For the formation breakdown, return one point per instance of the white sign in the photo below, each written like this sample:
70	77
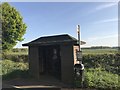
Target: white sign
79	55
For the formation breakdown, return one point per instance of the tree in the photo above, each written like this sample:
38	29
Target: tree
13	27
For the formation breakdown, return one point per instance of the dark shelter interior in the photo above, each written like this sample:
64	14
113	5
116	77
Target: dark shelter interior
49	58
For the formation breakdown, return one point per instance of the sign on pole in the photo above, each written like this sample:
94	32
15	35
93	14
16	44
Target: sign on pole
79	55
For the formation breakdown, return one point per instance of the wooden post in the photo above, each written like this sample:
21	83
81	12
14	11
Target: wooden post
79	52
78	32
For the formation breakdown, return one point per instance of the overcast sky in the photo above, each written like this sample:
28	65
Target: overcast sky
98	21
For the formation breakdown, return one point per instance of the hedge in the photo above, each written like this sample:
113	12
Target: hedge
110	62
16	57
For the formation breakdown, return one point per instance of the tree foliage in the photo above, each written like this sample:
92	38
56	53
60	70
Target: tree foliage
13	27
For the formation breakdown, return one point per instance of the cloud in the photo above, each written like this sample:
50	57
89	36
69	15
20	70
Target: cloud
107	20
102	37
100	7
105	6
110	40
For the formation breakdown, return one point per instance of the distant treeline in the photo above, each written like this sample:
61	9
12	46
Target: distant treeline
101	47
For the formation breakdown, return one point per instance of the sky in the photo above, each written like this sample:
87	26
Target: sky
98	21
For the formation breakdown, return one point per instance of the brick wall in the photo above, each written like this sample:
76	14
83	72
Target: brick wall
75	48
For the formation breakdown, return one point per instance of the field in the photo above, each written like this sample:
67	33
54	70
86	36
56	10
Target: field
99	51
101	67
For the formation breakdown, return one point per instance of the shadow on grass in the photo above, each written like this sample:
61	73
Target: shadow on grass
16	74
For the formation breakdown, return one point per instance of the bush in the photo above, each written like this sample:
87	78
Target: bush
12	69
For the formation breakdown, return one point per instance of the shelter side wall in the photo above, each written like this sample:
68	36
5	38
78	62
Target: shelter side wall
75	48
67	64
34	61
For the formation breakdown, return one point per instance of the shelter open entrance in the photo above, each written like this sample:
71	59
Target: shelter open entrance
49	61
